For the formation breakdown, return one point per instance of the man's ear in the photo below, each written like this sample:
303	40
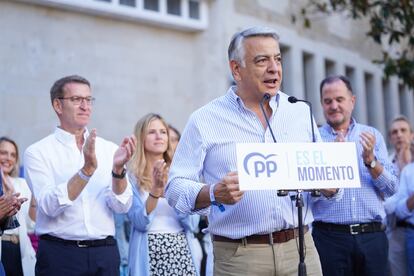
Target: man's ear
235	70
353	100
57	106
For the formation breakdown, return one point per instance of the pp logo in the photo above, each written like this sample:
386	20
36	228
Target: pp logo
261	164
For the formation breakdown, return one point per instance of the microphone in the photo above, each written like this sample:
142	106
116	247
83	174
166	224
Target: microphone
293	99
266	97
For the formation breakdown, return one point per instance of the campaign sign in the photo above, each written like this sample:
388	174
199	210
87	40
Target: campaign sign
293	166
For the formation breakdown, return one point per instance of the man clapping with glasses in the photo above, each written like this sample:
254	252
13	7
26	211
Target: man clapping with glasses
78	180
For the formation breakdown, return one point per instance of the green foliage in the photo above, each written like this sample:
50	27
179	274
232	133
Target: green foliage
390	22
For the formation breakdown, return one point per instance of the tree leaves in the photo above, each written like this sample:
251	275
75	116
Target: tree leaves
390	22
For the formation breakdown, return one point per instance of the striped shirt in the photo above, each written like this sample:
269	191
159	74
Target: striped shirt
365	204
207	152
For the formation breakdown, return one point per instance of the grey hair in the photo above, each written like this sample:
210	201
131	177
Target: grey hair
401	118
236	47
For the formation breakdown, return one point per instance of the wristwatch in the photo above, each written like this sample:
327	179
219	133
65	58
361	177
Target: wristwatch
119	176
372	164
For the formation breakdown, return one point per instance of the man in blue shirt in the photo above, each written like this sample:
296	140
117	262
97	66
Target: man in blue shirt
401	138
349	233
405	212
254	233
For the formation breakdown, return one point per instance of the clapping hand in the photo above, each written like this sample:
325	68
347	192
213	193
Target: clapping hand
125	151
159	178
91	163
10	204
368	145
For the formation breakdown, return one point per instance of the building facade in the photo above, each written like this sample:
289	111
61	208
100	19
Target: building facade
170	57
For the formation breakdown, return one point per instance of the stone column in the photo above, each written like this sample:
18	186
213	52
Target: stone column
407	105
375	99
360	110
391	100
339	68
315	71
293	79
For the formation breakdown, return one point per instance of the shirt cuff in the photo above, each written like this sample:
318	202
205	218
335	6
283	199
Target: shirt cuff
382	180
125	197
186	202
119	203
402	210
62	195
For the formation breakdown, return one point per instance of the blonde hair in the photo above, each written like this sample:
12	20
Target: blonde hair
138	164
15	171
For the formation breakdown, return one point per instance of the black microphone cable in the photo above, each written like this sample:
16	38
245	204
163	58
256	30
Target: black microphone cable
266	97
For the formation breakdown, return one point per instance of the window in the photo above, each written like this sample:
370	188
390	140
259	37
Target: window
130	3
388	100
194	9
350	74
151	5
372	109
174	7
308	60
187	15
330	67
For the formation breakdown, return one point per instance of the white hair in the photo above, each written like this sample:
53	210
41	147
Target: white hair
236	47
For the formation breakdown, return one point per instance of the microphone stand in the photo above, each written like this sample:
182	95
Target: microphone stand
299	205
299	195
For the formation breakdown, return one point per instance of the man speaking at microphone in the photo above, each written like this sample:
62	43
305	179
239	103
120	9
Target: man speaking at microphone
254	232
349	234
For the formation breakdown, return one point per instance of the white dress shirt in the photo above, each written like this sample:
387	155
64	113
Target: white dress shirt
49	165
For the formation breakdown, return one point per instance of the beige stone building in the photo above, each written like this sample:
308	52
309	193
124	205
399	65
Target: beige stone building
169	57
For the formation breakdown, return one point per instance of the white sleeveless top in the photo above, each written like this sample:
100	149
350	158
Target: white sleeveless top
165	219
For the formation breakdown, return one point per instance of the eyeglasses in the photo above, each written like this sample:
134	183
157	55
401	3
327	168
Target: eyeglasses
78	100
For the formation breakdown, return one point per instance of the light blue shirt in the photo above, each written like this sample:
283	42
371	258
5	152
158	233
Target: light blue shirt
139	260
406	189
365	204
207	152
121	222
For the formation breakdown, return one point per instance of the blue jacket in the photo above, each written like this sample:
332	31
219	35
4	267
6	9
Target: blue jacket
140	223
